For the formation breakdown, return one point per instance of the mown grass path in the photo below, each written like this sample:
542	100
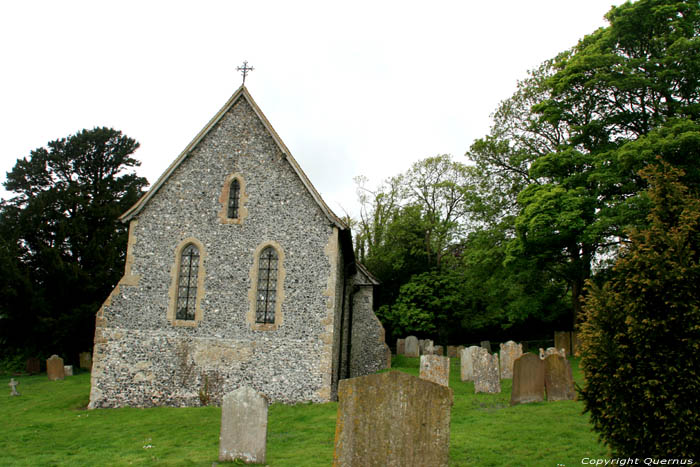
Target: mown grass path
48	425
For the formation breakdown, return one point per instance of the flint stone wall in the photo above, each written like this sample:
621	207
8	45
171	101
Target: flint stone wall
142	359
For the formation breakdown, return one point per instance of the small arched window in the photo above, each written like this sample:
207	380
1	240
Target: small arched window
187	283
234	199
267	286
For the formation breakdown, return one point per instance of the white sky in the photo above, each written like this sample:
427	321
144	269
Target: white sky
352	88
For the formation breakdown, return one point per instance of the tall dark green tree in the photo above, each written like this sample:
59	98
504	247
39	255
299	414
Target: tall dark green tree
65	238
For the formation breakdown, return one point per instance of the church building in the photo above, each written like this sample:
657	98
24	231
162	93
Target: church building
237	274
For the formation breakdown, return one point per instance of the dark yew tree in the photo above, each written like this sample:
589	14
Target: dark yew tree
64	243
641	334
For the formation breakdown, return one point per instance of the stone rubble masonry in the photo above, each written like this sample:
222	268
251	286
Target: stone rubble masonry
510	351
142	359
558	380
467	361
243	426
392	420
412	349
55	369
435	368
528	380
486	373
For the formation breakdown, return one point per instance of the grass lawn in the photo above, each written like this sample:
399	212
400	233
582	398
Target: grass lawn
48	425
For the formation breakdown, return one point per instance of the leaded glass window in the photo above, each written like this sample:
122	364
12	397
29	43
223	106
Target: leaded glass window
187	283
233	196
267	286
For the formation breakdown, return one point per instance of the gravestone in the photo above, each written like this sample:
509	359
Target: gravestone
467	362
486	345
437	350
392	419
542	355
551	351
510	351
562	340
68	370
412	347
486	374
400	346
13	386
454	350
528	380
243	426
85	360
428	347
33	365
558	381
54	368
435	368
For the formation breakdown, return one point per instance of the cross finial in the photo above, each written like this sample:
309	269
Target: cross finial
245	69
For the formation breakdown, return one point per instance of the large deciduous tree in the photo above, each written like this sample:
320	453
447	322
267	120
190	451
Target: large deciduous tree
64	239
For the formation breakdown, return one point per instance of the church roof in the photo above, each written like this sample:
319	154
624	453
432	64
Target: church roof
241	93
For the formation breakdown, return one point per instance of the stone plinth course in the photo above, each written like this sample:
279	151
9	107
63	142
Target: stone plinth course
558	380
392	420
243	426
412	349
528	380
467	362
55	369
510	351
435	368
85	360
400	346
486	373
33	365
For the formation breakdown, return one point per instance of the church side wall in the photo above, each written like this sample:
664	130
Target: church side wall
369	352
144	359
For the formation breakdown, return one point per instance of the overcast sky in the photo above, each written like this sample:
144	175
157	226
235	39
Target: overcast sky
352	88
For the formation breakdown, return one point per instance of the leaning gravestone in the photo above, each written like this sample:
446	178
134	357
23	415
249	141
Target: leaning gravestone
486	373
486	345
510	351
85	360
412	349
33	366
467	362
54	368
243	426
558	380
435	368
392	419
400	346
528	380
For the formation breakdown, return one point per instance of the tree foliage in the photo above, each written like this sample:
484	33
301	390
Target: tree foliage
64	246
641	336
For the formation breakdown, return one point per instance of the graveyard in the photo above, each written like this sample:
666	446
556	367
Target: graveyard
49	425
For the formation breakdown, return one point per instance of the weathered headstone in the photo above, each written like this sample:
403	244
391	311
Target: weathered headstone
528	380
428	347
33	365
68	370
13	386
486	373
400	346
453	350
558	380
437	350
467	362
412	349
54	368
562	340
243	426
553	350
435	368
510	351
392	419
85	360
486	345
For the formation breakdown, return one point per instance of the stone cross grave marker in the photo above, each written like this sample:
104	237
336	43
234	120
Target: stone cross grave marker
400	346
558	380
487	377
510	351
243	426
467	362
13	386
435	368
528	380
85	360
54	368
486	345
412	349
392	419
